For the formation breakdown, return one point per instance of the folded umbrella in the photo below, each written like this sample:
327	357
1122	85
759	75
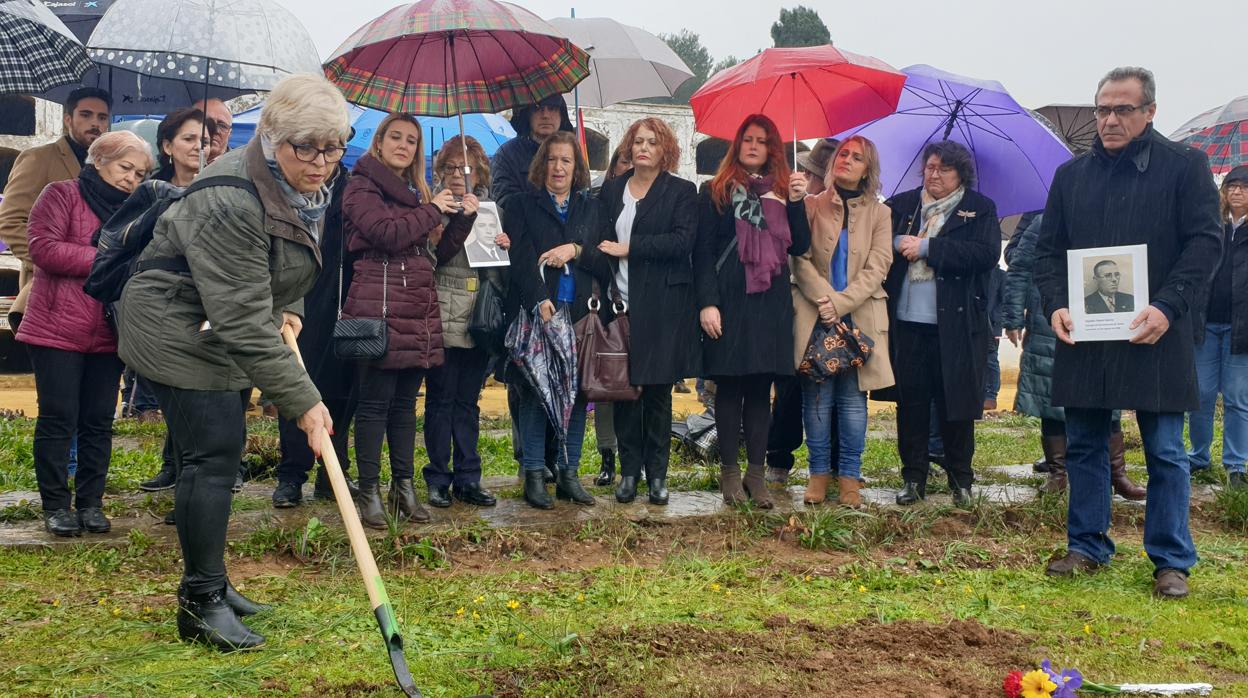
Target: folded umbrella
545	353
37	51
1015	155
816	91
1221	133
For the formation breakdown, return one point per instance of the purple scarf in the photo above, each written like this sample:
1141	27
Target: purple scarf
763	236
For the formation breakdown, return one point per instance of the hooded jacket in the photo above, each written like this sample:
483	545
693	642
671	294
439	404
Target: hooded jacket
510	165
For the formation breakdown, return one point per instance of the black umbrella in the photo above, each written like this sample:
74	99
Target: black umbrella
1075	123
37	51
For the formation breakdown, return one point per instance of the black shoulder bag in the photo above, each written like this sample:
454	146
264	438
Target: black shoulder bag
361	338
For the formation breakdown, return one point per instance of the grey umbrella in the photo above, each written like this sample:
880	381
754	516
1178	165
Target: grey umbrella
37	50
625	62
245	45
1075	123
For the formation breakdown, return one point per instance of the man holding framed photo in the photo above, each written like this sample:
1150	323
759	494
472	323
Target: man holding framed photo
1134	187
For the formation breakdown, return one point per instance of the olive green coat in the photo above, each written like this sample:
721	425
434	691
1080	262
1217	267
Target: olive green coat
219	328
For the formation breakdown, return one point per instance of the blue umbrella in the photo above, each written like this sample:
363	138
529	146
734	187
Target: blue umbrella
490	130
1015	155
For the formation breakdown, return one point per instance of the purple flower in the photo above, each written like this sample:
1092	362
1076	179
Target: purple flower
1068	680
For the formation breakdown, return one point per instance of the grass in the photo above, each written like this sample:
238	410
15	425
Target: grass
591	609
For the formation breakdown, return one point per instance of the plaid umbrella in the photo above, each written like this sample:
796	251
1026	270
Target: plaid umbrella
448	57
37	50
1221	132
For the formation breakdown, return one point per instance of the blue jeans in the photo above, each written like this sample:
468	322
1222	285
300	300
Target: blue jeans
839	398
532	429
1220	371
1167	539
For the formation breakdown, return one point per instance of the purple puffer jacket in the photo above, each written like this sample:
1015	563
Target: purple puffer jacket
387	228
59	315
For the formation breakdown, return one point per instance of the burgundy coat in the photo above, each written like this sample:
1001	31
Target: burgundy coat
386	222
59	314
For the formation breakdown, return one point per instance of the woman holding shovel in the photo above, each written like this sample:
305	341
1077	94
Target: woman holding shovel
204	337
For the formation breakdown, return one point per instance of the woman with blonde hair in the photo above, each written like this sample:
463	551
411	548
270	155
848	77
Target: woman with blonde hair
841	278
389	214
205	334
72	345
452	415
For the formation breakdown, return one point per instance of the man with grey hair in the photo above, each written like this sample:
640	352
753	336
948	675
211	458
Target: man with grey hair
220	115
1133	187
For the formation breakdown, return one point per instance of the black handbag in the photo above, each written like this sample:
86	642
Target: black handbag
487	326
834	350
361	338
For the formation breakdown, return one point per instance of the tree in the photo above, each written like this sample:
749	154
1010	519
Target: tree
725	63
688	46
799	26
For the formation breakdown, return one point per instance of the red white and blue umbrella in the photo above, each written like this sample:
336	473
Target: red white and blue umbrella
1221	132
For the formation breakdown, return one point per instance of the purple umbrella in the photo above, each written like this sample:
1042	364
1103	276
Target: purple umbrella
1015	156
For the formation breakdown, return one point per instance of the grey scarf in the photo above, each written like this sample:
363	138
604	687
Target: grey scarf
310	207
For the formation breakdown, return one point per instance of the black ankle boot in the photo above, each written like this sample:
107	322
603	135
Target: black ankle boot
657	490
369	502
607	475
569	487
165	479
209	619
626	491
535	489
242	605
403	501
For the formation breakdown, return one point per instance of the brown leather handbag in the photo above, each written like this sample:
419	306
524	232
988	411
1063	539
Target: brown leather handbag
602	352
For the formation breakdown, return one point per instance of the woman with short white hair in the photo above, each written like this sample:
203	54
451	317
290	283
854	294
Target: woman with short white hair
227	268
72	345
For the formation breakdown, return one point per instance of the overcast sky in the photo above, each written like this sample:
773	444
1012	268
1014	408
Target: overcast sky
1043	52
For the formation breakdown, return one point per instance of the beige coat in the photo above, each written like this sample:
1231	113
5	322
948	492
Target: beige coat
870	255
33	170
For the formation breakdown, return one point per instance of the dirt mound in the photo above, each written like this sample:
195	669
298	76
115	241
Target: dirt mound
866	659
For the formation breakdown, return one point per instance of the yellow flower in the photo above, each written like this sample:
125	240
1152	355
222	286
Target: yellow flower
940	582
519	636
580	598
1036	684
728	593
513	604
459	611
479	599
476	615
861	589
968	589
714	587
101	601
1087	629
1143	553
1022	606
808	577
56	602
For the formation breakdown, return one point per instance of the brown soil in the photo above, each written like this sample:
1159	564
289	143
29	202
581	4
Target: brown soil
866	659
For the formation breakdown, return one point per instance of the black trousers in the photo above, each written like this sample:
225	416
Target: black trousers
453	418
785	433
386	411
643	432
297	457
920	384
77	393
209	431
743	402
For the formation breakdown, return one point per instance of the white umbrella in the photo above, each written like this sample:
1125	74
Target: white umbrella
625	62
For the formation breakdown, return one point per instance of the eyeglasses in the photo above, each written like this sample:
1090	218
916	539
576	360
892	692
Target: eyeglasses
938	169
1239	187
221	126
1110	275
451	168
308	153
1119	110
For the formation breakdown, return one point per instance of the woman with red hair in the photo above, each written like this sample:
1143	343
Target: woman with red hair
751	218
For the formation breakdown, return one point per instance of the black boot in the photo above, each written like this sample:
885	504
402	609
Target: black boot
552	473
93	520
403	501
238	479
626	491
62	522
242	605
657	490
569	487
535	489
911	493
323	490
287	495
607	475
209	619
440	496
369	502
473	494
164	480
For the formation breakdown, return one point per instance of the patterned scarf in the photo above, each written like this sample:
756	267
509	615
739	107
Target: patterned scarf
763	236
934	214
310	207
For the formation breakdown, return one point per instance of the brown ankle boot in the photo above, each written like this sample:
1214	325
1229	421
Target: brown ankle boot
1118	471
1055	460
756	485
849	496
730	484
816	489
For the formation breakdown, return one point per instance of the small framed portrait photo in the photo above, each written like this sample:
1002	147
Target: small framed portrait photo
1108	287
480	246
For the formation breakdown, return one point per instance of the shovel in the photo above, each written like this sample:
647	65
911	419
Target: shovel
377	596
